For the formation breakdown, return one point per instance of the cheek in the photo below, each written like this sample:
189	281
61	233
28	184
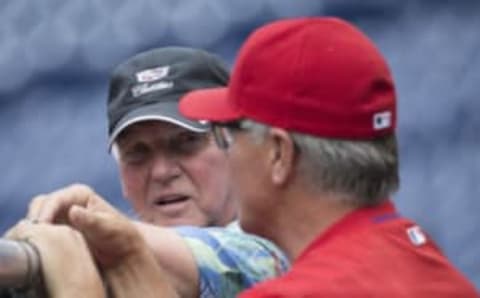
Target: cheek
209	173
248	187
244	174
249	179
133	184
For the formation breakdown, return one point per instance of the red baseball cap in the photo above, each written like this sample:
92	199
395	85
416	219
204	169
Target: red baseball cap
320	76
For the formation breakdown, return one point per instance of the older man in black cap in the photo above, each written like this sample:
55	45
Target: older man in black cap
173	174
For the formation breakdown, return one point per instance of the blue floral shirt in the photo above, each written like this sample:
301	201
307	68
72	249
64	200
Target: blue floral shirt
230	260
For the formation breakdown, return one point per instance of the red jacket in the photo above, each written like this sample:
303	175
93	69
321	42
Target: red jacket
371	252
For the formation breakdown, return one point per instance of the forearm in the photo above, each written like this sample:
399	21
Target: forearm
174	257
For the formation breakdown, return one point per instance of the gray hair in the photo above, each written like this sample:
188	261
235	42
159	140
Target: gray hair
359	172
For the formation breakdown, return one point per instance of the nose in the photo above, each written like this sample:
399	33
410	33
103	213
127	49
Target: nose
165	169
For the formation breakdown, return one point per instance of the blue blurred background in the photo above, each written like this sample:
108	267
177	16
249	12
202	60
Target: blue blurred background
56	56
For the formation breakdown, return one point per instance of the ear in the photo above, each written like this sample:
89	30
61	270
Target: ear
282	156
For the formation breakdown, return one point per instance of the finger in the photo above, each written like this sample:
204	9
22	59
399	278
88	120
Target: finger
84	196
55	206
22	230
12	232
35	206
93	224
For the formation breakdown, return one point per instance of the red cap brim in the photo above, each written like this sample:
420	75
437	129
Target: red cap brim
209	104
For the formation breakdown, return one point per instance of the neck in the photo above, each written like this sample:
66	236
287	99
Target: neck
304	218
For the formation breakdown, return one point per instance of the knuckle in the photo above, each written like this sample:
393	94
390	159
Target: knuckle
81	188
37	200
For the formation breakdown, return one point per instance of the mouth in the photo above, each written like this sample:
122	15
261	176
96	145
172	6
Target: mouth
171	199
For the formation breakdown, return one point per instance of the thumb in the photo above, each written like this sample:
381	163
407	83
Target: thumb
110	236
89	222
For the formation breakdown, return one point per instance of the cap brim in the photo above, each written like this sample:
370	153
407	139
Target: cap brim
209	104
162	111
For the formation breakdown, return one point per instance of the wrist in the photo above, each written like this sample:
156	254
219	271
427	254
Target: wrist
138	275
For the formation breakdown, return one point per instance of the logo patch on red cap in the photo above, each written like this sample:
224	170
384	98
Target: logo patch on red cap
382	120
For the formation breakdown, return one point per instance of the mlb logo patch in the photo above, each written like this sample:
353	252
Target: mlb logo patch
416	236
152	74
382	120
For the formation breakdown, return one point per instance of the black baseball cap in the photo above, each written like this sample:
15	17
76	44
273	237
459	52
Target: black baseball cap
149	86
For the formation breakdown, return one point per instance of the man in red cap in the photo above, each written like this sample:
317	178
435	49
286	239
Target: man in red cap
308	121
